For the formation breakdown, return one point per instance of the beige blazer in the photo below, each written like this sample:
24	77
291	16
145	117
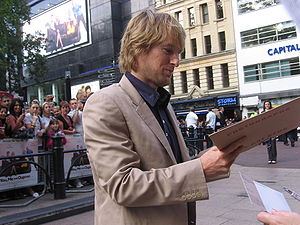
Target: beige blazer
137	180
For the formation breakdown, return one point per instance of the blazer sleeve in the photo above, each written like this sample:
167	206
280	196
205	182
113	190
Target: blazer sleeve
118	169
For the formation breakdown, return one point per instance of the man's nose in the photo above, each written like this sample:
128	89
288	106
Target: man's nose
175	60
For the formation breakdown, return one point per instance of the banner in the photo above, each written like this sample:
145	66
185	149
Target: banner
20	175
81	166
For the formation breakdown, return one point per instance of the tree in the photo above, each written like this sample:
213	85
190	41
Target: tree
18	49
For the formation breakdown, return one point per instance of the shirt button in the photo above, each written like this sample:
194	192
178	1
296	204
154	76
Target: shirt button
167	134
164	122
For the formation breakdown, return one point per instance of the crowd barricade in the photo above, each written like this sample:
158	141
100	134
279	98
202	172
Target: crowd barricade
28	164
196	139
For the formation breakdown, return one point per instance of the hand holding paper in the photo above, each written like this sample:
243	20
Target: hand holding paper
257	129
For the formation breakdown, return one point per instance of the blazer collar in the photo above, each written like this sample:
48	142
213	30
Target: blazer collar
146	114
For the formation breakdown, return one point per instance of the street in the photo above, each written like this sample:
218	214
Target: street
228	203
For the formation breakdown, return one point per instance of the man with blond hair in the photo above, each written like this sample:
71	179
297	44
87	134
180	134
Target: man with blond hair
141	168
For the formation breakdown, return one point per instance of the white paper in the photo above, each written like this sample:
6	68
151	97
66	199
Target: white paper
264	196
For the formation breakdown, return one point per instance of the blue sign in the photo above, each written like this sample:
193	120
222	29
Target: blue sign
283	49
227	101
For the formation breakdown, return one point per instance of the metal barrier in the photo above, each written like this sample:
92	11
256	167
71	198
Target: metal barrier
195	139
49	171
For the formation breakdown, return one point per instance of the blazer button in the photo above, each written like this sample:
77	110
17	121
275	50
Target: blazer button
189	196
199	195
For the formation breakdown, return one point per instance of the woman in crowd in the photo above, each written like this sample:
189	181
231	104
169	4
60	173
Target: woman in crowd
271	143
66	123
46	114
33	120
16	117
237	116
4	127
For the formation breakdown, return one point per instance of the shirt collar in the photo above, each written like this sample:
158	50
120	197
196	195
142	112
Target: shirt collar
151	96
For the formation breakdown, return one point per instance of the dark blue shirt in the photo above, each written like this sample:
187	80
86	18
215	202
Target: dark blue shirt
158	100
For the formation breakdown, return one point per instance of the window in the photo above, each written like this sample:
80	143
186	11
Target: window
179	17
219	9
171	86
207	43
184	82
204	12
273	69
210	78
222	41
267	34
196	77
245	6
194	47
191	16
225	75
182	54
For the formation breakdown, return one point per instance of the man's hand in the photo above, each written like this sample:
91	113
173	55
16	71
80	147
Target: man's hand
279	218
216	163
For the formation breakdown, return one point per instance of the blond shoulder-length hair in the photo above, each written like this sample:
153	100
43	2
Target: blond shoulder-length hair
143	31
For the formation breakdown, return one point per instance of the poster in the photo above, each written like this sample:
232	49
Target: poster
81	166
21	175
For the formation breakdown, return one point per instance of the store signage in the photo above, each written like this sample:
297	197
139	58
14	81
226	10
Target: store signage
283	49
227	101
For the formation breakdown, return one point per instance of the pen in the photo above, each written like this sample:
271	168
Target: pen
292	193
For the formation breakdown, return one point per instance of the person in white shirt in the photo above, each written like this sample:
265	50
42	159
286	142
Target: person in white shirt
191	118
76	116
211	119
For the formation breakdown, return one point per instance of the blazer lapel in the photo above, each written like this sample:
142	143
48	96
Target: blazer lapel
181	143
146	115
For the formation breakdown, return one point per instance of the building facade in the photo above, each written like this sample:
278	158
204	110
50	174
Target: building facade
207	75
267	45
84	39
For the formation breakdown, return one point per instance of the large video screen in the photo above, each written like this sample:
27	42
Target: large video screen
65	26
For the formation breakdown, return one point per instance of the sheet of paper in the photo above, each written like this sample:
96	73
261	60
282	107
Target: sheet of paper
264	196
257	129
293	7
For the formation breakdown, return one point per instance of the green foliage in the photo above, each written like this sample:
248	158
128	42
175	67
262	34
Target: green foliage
18	49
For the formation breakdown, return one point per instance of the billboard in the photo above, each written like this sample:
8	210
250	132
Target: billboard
64	26
93	86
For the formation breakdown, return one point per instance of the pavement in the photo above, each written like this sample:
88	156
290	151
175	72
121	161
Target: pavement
228	203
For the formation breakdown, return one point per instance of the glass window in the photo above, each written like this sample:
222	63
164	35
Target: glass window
270	70
245	6
191	16
271	33
210	78
273	69
184	81
179	17
219	9
182	54
225	75
204	11
251	73
222	41
196	77
194	47
207	43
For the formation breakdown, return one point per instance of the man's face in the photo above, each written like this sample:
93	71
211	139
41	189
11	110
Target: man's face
5	101
73	104
155	68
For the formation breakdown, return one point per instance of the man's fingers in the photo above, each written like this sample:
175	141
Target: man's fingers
263	217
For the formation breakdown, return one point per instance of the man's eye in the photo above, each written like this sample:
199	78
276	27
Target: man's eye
168	51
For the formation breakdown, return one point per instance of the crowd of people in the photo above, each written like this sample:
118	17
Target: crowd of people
19	120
